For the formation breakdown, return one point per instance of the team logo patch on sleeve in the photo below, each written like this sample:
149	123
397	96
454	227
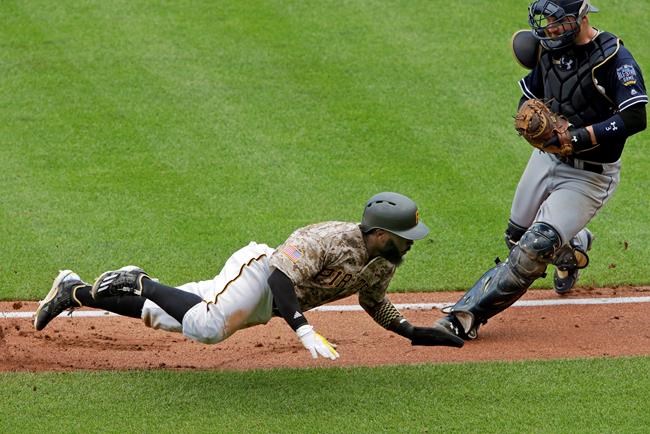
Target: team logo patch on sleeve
292	253
626	75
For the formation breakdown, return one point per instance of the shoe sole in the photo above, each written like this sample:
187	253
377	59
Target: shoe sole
53	291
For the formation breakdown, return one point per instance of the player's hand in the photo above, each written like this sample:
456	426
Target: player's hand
315	343
436	335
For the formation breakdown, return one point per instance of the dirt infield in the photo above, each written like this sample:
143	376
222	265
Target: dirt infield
536	332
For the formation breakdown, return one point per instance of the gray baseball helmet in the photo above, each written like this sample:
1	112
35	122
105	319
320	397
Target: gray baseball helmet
394	213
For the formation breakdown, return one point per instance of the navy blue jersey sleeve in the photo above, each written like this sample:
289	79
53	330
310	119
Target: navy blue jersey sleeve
624	81
532	85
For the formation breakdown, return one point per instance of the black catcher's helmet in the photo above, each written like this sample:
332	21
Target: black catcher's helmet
546	15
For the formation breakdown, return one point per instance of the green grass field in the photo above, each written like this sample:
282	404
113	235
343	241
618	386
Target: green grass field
169	134
540	397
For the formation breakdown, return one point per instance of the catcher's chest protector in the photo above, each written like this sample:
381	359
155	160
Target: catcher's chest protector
569	84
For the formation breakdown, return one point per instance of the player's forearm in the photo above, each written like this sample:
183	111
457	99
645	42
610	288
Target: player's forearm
616	129
402	327
389	317
620	126
609	136
522	100
284	296
386	315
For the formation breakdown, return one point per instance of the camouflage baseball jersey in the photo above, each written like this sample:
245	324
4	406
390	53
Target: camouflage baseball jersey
329	261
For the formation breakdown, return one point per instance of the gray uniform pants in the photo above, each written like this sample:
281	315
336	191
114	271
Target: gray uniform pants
563	196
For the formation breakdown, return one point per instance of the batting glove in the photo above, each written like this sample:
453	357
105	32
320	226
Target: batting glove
315	343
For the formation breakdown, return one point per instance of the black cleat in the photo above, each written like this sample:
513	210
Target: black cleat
125	281
565	280
59	299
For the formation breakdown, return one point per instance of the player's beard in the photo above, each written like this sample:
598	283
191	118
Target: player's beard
391	253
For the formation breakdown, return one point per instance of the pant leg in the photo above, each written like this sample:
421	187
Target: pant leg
239	297
155	317
577	196
533	188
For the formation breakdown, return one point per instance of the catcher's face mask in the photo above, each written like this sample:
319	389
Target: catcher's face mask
556	23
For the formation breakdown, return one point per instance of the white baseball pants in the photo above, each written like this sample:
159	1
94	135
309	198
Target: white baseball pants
237	298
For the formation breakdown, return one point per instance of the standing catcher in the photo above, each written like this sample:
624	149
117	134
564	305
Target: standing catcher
317	264
582	99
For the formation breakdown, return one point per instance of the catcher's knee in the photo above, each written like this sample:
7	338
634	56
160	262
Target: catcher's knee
535	250
513	234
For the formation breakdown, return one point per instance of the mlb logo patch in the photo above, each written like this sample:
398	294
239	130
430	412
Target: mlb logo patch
626	74
292	253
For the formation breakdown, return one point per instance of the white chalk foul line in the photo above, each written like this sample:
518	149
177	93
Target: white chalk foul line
403	306
521	303
75	314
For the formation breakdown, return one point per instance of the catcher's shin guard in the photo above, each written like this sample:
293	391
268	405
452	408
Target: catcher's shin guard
496	290
506	282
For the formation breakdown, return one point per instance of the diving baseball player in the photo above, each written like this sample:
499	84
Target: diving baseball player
317	264
590	78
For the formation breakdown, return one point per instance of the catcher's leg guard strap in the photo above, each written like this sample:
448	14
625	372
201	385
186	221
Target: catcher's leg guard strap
513	234
574	255
568	258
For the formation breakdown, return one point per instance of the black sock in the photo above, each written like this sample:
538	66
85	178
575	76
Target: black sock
126	306
174	301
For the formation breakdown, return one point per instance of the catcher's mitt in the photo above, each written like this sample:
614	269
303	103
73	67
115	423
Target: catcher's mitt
542	128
